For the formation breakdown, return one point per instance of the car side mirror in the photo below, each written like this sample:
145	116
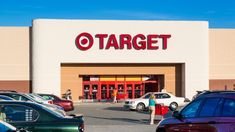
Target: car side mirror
176	114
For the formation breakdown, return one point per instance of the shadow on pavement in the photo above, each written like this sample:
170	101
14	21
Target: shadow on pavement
136	121
169	114
116	108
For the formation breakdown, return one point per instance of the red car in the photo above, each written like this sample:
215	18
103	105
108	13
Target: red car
66	104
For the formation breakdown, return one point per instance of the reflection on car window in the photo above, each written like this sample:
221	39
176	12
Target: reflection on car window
18	113
46	97
191	109
209	107
228	108
49	97
162	96
19	97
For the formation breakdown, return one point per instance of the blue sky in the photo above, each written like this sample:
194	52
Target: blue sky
219	13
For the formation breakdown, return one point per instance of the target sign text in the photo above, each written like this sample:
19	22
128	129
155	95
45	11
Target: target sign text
85	41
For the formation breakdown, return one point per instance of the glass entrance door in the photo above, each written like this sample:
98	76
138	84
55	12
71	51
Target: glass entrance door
90	91
111	87
86	91
94	91
129	91
103	91
138	89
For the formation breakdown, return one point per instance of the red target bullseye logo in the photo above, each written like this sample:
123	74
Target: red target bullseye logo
84	41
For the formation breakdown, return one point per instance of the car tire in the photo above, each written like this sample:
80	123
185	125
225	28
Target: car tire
140	107
173	106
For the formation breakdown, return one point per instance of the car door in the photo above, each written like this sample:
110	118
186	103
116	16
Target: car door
163	98
145	99
207	116
226	123
198	116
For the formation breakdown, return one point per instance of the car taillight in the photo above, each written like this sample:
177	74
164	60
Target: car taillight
50	102
81	128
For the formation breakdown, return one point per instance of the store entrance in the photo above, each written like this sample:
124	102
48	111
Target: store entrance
103	90
107	90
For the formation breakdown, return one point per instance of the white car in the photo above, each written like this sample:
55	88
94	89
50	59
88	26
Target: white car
164	98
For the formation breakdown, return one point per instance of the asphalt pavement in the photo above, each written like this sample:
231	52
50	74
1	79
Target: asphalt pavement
111	117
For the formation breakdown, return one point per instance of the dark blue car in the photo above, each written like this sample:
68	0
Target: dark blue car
209	112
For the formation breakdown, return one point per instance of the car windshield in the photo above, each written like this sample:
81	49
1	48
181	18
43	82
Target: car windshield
33	99
36	97
145	96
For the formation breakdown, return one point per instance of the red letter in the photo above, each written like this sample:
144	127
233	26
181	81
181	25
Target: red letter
125	39
142	43
164	40
112	41
151	41
101	39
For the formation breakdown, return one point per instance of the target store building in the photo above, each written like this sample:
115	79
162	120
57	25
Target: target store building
94	57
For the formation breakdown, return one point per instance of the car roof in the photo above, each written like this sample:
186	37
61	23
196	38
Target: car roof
223	94
16	102
158	92
45	94
11	93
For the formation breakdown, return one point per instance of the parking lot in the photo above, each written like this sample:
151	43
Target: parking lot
110	117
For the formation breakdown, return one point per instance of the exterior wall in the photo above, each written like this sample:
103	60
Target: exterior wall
14	56
71	74
54	43
222	64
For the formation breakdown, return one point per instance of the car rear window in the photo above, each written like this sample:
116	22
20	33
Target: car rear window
191	110
209	107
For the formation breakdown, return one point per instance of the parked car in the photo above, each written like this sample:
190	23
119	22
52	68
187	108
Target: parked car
3	97
211	112
66	104
164	98
35	117
5	127
25	97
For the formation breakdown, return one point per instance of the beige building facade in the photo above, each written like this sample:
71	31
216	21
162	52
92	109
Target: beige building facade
222	64
47	59
15	59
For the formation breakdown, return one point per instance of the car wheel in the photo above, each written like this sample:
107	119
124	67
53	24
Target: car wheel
140	107
173	106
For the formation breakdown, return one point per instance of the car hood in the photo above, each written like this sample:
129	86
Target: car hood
137	99
170	120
